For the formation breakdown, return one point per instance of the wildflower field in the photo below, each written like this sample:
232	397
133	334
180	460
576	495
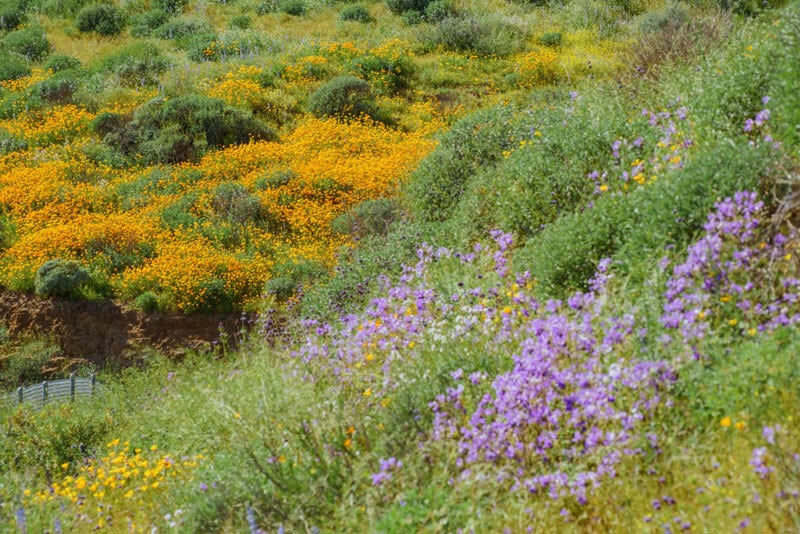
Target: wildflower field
521	266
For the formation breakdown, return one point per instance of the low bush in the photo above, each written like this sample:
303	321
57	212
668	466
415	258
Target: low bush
411	18
30	43
61	278
182	29
139	64
474	142
343	97
58	89
12	66
241	22
486	36
371	217
404	6
355	13
553	39
12	15
143	24
173	7
438	10
387	74
61	62
103	19
288	277
296	8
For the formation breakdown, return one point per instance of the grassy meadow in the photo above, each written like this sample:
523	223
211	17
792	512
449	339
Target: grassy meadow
537	263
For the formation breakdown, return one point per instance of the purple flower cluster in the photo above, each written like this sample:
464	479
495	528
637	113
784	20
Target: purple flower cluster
562	418
728	278
384	474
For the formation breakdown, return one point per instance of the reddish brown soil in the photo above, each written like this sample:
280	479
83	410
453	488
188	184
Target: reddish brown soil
103	331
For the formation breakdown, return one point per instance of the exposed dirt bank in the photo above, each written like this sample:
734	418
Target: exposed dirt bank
102	331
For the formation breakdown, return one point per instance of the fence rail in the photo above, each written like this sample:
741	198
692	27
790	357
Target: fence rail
49	390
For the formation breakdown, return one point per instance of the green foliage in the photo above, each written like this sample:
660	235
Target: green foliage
749	7
61	62
231	201
173	7
179	129
182	29
343	97
552	39
295	8
103	19
355	13
288	277
388	74
486	36
27	362
673	16
147	302
12	66
275	180
371	217
143	24
139	64
58	89
61	278
438	10
70	433
241	22
12	15
29	42
411	18
404	6
473	143
8	143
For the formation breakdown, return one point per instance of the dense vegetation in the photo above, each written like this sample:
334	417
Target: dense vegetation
537	264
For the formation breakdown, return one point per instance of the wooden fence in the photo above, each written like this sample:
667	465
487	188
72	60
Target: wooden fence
68	388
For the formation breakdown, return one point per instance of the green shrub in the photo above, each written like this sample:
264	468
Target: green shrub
8	143
12	66
231	201
404	6
474	142
275	180
181	29
60	62
565	255
295	8
552	39
411	18
143	24
438	10
103	19
12	15
355	13
485	36
749	7
241	22
30	43
371	217
139	64
267	6
147	302
343	97
64	9
388	74
672	17
179	129
58	89
288	277
173	7
27	363
61	278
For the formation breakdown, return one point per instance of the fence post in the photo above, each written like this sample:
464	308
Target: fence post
20	391
72	386
44	392
94	383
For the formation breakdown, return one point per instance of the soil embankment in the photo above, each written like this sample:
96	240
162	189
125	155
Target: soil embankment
101	331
